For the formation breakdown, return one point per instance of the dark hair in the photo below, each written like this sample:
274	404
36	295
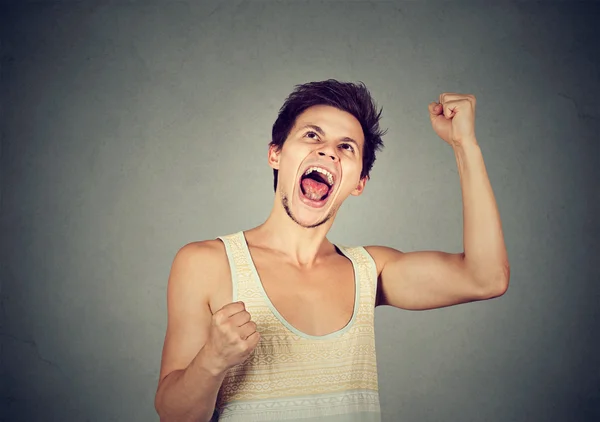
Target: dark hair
346	96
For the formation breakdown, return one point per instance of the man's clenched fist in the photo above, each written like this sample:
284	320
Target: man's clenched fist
232	337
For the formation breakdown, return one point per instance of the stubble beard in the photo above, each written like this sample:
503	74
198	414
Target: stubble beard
288	211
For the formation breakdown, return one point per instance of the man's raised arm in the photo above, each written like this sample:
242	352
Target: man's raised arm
433	279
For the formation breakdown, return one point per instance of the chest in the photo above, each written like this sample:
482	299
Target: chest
316	302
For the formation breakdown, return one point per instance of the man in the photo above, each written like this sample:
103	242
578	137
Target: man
276	323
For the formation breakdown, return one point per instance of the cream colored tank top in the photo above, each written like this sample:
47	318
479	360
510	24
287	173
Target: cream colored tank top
293	376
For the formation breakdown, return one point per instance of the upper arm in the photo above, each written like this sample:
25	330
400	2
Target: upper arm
194	277
425	280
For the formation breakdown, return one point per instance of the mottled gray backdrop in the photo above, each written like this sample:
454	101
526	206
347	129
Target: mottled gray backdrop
130	128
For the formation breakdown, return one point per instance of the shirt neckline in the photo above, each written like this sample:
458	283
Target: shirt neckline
280	317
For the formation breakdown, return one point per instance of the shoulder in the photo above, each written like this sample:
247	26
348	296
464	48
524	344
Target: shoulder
199	268
382	255
205	255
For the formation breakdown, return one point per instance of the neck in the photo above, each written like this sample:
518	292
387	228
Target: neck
301	246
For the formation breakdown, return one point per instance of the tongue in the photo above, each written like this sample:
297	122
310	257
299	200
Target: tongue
314	190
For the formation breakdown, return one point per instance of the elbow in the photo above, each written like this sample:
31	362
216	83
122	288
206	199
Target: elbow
500	287
500	283
495	284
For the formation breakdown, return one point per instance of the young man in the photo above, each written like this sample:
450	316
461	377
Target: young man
276	323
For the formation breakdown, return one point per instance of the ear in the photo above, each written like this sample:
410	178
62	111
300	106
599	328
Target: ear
360	187
273	156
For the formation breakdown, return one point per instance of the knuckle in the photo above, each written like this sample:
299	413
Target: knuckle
232	338
218	322
221	313
225	328
234	307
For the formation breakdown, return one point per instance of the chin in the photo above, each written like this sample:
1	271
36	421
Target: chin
306	218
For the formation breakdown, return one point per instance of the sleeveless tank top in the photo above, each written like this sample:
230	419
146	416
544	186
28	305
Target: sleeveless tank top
293	376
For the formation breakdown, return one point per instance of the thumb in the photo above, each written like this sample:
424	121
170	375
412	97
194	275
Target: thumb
435	109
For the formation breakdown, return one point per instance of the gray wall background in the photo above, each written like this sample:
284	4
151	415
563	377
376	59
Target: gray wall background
132	128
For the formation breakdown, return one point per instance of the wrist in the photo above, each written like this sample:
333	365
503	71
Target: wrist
210	363
465	144
466	151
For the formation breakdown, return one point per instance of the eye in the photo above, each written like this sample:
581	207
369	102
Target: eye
314	135
347	147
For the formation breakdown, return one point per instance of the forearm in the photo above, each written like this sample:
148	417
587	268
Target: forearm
485	252
189	395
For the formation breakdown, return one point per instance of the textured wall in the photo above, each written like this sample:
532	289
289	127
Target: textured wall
132	128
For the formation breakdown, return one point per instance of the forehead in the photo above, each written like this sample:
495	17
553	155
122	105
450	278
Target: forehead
335	123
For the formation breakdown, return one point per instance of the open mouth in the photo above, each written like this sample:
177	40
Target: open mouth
316	184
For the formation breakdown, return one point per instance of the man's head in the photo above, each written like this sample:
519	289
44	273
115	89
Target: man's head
323	147
346	96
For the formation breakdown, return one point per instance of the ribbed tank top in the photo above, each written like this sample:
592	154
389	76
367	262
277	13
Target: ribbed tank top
293	376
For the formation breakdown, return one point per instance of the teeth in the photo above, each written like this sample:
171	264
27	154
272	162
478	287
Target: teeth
322	171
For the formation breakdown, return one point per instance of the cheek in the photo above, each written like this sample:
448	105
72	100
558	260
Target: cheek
293	156
352	171
351	178
288	167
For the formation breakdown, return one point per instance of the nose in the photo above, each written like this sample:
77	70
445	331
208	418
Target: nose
333	157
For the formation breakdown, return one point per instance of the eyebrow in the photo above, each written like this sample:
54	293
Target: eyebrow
322	133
